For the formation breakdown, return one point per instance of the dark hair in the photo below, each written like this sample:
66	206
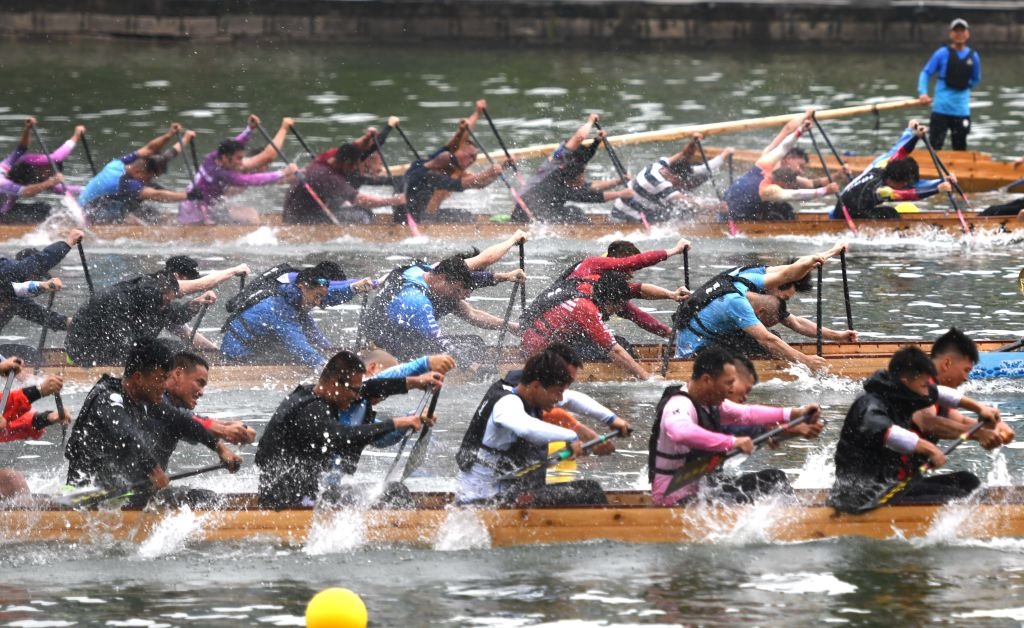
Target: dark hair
473	252
189	360
743	362
330	270
910	362
229	147
903	170
802	284
154	164
165	280
612	287
711	361
567	353
311	277
454	269
341	367
6	289
547	367
681	168
784	177
956	342
24	173
622	248
348	152
796	151
148	355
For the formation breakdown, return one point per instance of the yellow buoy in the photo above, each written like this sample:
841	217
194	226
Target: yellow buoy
907	208
336	608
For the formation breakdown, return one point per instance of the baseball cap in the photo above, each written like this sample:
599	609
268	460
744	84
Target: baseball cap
958	23
184	265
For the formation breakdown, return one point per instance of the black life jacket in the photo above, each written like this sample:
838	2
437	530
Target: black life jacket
958	71
521	453
376	316
686	315
563	289
708	419
262	286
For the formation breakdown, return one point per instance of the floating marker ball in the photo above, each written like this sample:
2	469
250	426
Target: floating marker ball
336	608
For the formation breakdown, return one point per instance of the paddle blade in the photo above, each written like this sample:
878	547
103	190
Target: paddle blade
74	210
88	497
414	229
418	453
697	465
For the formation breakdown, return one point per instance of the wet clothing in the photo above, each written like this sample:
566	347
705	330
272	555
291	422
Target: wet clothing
420	185
958	73
505	434
24	307
876	436
591	269
334	190
683	427
117	441
278	328
744	200
577	322
35	266
300	442
111	195
106	327
555	183
361	412
10	190
403	319
22	422
213	180
718	312
658	198
865	195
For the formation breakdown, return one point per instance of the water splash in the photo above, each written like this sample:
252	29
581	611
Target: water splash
802	582
462	530
172	534
336	531
262	236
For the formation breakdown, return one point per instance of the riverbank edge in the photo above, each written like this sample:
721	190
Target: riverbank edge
623	24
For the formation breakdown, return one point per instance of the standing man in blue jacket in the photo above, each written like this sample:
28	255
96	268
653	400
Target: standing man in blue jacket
959	70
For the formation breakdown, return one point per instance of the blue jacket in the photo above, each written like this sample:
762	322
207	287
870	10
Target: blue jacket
276	328
949	101
357	413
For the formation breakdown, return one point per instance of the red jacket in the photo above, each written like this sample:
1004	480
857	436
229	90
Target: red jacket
22	422
593	267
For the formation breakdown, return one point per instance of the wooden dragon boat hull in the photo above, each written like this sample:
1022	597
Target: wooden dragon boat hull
629	517
854	361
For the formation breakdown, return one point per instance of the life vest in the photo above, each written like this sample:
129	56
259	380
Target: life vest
259	288
686	315
522	451
563	289
708	419
958	71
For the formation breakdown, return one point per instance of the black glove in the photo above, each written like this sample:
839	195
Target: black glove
195	194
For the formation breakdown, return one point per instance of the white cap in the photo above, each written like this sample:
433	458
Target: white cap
959	23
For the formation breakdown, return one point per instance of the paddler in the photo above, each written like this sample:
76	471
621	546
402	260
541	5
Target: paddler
24	175
404	318
124	434
21	422
507	432
663	191
691	418
117	192
724	311
878	445
305	436
746	379
15	301
765	191
561	179
892	177
221	169
185	385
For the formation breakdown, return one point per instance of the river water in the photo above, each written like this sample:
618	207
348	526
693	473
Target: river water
911	287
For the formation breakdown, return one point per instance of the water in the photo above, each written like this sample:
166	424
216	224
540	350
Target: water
906	287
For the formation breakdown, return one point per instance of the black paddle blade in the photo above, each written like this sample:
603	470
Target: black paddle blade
697	465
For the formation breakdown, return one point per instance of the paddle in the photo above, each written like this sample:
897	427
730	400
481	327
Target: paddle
828	174
522	267
419	450
45	329
7	391
622	174
846	291
70	202
85	269
302	142
562	454
670	346
393	474
362	321
819	335
301	178
60	414
184	158
890	492
941	170
410	222
405	139
89	497
504	325
718	193
88	154
501	175
1007	188
497	136
195	328
700	463
195	157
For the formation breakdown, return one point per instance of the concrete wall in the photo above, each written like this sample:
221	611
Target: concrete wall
622	23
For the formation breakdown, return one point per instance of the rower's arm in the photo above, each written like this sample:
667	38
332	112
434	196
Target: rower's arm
369	201
266	156
495	252
621	357
481	319
776	276
778	347
157	144
162	196
210	281
807	327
